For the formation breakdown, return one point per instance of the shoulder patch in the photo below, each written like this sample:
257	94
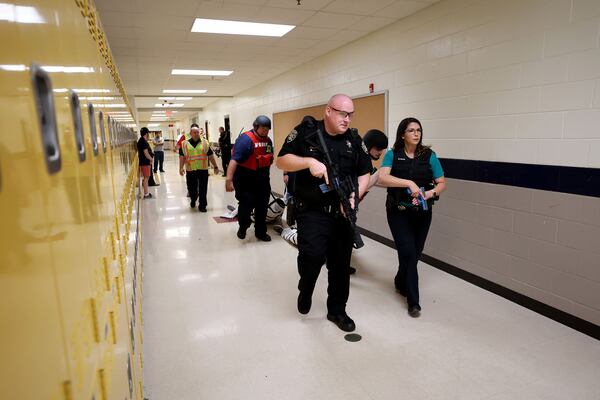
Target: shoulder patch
364	148
290	138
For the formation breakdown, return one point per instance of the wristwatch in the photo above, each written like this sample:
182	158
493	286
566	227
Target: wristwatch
434	193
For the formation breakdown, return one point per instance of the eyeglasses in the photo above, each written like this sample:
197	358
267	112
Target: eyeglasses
343	114
419	130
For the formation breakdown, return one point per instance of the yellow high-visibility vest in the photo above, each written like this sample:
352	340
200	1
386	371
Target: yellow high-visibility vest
195	157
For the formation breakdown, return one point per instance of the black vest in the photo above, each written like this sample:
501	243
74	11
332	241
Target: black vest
415	169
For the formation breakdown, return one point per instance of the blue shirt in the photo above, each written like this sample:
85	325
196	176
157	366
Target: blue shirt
242	148
434	163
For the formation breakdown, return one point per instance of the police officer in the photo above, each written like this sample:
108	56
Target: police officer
248	173
324	233
414	177
194	155
376	143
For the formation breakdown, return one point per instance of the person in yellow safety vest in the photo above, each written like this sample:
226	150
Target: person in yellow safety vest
194	156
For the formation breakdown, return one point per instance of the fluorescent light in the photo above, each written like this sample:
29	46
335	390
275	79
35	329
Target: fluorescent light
68	70
184	91
13	67
204	72
110	105
169	105
239	27
175	98
98	98
153	125
20	14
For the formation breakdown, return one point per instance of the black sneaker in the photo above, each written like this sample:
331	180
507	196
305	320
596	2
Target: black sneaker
241	233
352	270
304	303
414	311
264	237
201	209
148	196
192	204
343	321
162	170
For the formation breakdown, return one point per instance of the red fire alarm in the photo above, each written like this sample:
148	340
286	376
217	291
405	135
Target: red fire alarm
371	88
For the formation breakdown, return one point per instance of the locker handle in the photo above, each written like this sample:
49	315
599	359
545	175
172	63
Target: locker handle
77	124
44	101
93	131
102	131
111	131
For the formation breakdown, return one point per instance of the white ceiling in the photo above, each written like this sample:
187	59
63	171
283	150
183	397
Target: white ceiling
148	38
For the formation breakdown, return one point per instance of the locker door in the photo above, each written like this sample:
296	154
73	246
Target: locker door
33	361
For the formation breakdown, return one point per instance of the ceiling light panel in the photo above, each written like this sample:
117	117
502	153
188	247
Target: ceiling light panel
239	28
203	72
184	91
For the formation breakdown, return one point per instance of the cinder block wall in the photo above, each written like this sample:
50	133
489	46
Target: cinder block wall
512	81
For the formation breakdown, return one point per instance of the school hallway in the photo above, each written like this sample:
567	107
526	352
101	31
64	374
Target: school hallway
220	322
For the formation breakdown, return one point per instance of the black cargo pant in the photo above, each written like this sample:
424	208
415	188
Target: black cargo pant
252	193
409	229
197	185
325	237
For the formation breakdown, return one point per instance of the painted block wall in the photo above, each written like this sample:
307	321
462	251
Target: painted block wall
511	81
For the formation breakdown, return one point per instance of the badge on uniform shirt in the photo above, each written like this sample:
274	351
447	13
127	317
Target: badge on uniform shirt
291	136
348	144
365	148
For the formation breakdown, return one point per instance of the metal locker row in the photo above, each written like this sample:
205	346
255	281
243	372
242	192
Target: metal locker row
68	199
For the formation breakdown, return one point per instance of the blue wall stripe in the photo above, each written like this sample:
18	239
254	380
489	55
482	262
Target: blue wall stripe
574	180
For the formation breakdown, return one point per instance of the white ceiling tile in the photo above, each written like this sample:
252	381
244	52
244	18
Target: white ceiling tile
116	18
180	8
348	35
332	20
305	4
359	7
277	15
296	43
227	11
371	24
303	32
400	9
115	5
151	21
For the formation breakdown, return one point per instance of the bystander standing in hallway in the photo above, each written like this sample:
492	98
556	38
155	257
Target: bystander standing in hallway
194	157
159	154
225	147
414	178
145	160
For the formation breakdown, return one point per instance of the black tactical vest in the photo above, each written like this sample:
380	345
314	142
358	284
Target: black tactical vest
415	169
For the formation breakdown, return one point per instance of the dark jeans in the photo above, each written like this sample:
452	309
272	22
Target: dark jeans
159	157
197	185
409	229
225	158
323	237
252	194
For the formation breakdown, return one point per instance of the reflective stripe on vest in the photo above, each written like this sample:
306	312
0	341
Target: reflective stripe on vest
262	152
195	157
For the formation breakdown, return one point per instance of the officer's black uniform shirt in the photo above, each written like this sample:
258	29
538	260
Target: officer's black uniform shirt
346	150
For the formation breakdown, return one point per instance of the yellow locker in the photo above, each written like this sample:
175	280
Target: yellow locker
33	362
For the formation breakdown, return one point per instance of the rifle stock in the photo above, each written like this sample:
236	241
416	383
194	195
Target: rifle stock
344	189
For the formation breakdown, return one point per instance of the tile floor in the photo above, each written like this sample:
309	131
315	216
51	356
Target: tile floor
220	322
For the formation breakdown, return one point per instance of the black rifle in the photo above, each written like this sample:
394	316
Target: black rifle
344	189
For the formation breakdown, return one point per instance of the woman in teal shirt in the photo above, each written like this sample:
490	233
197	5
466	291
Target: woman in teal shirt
414	178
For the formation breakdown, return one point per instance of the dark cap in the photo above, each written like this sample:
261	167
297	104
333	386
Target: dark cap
144	131
375	138
262	120
194	126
